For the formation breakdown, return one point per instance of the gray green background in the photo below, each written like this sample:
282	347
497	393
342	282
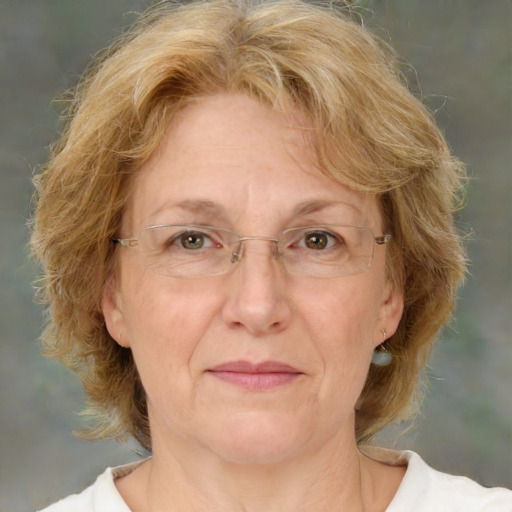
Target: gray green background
461	51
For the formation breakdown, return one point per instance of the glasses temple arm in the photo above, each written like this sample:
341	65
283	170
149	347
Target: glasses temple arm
383	239
125	242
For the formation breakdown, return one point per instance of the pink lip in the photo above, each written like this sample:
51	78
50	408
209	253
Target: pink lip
255	377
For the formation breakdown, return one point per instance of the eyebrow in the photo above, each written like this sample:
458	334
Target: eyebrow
313	206
196	206
215	210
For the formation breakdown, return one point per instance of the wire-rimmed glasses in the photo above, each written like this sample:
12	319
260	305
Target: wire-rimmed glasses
192	251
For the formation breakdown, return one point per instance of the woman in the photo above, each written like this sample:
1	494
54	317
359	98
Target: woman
248	246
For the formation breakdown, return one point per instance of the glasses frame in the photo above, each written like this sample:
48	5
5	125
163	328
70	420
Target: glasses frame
236	255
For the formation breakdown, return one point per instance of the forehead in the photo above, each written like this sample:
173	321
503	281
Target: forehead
228	158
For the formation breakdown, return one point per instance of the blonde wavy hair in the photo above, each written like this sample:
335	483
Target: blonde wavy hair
371	133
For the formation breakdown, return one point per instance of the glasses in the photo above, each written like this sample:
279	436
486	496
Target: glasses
191	251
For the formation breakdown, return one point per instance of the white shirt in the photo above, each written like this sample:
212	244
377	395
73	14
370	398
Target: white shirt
423	489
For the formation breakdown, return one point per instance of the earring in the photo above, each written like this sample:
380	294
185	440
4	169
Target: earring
380	356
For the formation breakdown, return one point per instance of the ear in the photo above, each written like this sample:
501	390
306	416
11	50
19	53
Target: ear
390	312
111	306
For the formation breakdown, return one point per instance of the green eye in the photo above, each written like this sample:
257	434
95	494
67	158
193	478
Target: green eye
316	241
192	240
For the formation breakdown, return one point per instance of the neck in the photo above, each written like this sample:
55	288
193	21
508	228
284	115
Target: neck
331	478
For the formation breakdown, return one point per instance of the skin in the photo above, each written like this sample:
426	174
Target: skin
229	161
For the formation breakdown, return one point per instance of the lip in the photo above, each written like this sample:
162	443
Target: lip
248	367
256	376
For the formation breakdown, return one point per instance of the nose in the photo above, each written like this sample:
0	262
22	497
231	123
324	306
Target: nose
257	300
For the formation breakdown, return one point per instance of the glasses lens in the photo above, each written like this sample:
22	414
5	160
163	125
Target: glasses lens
186	250
327	251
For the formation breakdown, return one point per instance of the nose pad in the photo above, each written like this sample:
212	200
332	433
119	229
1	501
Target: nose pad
237	254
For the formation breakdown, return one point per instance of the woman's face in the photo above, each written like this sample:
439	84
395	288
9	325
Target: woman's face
229	162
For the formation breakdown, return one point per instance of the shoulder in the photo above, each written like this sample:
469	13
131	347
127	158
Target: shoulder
101	496
424	489
450	493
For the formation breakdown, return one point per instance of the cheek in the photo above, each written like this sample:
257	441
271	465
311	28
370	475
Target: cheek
166	319
341	322
345	314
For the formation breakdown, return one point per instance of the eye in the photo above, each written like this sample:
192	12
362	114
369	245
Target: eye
193	240
319	240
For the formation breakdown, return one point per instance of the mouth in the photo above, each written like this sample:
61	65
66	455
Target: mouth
255	377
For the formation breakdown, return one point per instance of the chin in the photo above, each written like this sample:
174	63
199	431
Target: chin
253	439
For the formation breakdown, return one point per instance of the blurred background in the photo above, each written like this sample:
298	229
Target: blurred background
461	53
